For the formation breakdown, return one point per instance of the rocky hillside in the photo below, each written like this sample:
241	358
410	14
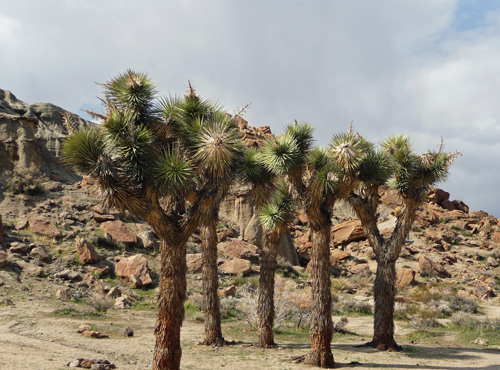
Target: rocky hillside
64	243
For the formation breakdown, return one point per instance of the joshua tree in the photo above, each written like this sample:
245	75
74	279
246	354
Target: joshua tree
411	176
162	162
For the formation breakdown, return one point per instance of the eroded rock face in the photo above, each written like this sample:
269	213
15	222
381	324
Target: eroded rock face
3	258
405	278
134	271
193	262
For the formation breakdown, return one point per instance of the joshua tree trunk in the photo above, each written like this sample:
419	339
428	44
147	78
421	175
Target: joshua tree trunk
211	305
266	290
167	353
384	291
322	325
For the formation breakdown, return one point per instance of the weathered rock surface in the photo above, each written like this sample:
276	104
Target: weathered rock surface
235	248
42	226
147	239
194	262
236	266
41	253
405	278
3	258
64	293
119	232
338	255
482	290
122	302
86	251
134	271
347	232
431	268
99	268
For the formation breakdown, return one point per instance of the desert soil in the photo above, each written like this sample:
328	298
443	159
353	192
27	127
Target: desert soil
32	337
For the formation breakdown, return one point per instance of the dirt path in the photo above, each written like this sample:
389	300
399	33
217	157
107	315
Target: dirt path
31	337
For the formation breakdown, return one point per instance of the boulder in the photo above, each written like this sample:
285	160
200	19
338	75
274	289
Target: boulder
22	223
225	233
134	271
118	231
228	292
440	233
360	269
194	262
235	248
40	252
103	218
482	290
3	258
431	268
64	293
16	247
30	269
437	196
347	232
40	225
338	255
405	278
461	206
68	274
236	266
52	186
92	282
287	250
147	239
86	251
122	302
114	292
100	268
491	262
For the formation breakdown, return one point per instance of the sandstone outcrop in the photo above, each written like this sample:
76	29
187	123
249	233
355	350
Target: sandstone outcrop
134	271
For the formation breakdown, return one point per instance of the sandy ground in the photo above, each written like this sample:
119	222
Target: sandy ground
31	337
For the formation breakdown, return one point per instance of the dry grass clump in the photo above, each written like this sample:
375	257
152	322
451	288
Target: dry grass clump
99	303
466	321
25	181
346	306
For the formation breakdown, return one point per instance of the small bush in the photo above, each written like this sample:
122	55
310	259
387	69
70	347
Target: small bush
25	181
99	303
339	327
352	306
425	319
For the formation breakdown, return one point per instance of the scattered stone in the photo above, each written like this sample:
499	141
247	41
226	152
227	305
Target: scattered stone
94	334
103	218
122	302
86	251
92	282
40	225
194	262
52	186
491	262
235	248
84	327
134	271
128	332
118	231
22	223
64	293
41	253
431	268
68	274
225	233
236	266
228	292
405	278
75	363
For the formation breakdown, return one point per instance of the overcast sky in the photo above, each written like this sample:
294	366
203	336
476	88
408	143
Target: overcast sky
428	69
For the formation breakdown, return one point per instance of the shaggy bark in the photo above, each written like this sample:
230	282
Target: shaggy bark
266	290
211	303
168	352
322	325
386	254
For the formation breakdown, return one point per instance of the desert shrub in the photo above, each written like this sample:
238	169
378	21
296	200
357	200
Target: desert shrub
99	303
443	298
351	306
229	308
466	321
194	302
403	311
425	319
339	327
25	181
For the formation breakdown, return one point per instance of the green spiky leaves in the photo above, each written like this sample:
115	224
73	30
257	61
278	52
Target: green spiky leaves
302	133
131	90
171	173
279	211
348	150
83	149
281	155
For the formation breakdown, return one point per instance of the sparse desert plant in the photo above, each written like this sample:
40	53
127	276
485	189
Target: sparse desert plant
339	327
425	319
99	303
25	181
352	306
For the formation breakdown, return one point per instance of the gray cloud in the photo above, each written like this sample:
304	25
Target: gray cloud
389	66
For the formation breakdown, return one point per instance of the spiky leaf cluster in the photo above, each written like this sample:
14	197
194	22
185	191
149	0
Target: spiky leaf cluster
281	155
278	213
348	150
